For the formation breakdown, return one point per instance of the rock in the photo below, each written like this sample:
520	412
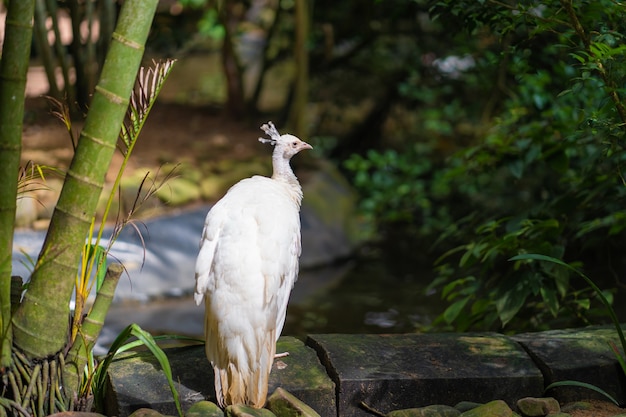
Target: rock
245	411
138	381
204	409
575	406
146	412
282	403
466	405
338	228
391	372
535	407
303	376
497	408
583	355
429	411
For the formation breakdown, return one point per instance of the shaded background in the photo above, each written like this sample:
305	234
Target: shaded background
463	133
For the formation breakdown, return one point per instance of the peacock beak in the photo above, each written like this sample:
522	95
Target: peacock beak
304	146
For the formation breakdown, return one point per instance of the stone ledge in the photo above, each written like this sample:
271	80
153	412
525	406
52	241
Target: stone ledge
415	370
136	380
390	372
577	354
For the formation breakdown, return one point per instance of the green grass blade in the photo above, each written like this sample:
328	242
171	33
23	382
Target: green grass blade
158	353
618	356
144	338
137	343
582	385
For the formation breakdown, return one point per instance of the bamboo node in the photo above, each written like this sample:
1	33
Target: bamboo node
125	41
97	140
111	96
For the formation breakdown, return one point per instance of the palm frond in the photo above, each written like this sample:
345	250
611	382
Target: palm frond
149	83
31	177
62	112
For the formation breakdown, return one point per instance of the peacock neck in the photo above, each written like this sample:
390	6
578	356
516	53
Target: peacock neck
284	173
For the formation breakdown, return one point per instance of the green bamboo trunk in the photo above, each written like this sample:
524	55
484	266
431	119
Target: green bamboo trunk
40	325
78	355
13	69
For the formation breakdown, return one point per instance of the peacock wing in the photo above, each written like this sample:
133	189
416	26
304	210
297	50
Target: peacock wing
211	232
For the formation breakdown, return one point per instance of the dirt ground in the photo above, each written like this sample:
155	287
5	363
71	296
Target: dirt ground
172	133
599	409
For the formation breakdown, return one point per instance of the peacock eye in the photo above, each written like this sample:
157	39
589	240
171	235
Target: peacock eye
294	144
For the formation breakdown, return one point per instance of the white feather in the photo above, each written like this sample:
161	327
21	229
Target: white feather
246	268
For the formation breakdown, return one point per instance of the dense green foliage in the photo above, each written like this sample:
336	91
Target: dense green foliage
521	151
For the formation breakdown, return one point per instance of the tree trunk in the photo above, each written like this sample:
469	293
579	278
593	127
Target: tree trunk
253	104
235	104
297	115
13	69
43	47
40	325
67	93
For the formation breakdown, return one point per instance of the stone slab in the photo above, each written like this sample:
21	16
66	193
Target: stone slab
582	354
136	379
390	372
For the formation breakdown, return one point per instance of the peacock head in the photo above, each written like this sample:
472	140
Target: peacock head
288	145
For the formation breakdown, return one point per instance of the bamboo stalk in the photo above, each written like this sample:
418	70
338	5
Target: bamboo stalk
13	69
40	323
92	325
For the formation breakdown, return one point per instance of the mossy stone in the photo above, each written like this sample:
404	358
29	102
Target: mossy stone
240	410
497	408
282	403
146	412
204	409
428	411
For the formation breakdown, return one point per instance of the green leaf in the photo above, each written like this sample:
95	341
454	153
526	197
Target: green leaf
582	385
549	297
447	289
148	341
583	303
618	356
453	311
100	255
510	303
517	169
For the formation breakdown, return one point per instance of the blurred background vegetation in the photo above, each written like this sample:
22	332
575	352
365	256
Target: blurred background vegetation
473	130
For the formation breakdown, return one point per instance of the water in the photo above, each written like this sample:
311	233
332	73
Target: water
361	295
371	297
